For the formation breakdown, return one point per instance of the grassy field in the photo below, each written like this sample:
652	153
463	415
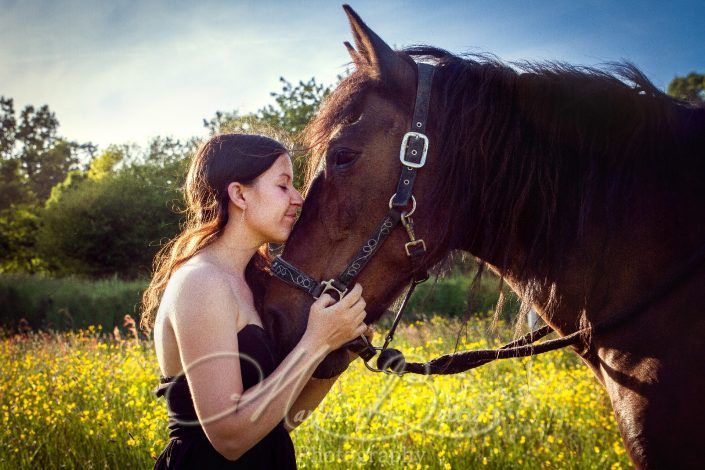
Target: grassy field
84	400
67	303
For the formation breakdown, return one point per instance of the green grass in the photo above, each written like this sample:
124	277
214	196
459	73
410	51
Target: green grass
72	303
67	303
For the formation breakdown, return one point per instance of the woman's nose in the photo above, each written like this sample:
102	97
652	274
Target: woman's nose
298	200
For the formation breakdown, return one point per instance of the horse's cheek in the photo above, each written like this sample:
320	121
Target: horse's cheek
341	218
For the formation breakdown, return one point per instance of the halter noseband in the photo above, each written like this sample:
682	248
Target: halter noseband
412	154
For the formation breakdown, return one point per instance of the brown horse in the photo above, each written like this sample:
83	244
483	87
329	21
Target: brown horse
582	188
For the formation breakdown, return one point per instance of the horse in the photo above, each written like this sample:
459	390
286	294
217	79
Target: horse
582	187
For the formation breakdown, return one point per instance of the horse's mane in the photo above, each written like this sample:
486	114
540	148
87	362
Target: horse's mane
544	141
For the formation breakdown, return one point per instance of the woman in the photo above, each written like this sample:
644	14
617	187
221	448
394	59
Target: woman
206	287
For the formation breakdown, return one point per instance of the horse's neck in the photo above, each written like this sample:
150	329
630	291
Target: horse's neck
600	277
597	257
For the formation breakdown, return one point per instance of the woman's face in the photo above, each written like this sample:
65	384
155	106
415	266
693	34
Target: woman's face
273	202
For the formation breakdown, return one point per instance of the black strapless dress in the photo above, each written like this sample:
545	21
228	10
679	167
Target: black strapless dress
188	445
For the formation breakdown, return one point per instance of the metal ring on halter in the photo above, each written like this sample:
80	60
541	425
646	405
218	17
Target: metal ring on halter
388	372
377	348
413	205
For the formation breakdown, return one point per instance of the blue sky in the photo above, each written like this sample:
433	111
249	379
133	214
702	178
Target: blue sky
124	71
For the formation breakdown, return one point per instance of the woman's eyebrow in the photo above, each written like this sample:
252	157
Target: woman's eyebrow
286	176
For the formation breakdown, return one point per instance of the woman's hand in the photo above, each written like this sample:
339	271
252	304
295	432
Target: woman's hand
331	324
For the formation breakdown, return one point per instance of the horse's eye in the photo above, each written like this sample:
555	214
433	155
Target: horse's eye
343	158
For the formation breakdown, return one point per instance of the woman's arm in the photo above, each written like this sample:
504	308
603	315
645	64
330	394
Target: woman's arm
313	393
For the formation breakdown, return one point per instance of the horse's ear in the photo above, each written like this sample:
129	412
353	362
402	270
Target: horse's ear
373	51
354	55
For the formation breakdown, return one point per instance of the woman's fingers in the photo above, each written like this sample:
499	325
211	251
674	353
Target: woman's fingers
360	329
353	296
360	304
326	300
342	320
361	316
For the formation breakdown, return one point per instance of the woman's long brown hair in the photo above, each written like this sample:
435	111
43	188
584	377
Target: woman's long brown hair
219	161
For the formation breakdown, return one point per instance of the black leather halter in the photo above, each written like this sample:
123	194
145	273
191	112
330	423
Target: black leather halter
412	154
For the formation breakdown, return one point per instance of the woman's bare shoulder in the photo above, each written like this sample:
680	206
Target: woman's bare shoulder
199	284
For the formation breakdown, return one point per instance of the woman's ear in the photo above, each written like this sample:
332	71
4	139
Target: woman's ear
236	194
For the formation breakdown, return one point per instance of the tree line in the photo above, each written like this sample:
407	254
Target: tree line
69	208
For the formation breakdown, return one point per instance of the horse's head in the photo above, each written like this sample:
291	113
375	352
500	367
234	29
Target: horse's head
357	136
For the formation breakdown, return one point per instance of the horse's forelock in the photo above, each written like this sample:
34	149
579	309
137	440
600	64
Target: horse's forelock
338	108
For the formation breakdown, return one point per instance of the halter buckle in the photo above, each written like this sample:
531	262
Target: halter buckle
328	285
404	144
411	244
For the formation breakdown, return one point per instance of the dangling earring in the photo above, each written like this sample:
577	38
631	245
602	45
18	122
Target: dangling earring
239	229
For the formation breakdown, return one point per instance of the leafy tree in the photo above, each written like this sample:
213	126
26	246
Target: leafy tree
72	181
104	164
112	218
31	139
12	187
33	160
56	162
36	131
8	127
295	106
111	225
166	152
18	227
690	88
